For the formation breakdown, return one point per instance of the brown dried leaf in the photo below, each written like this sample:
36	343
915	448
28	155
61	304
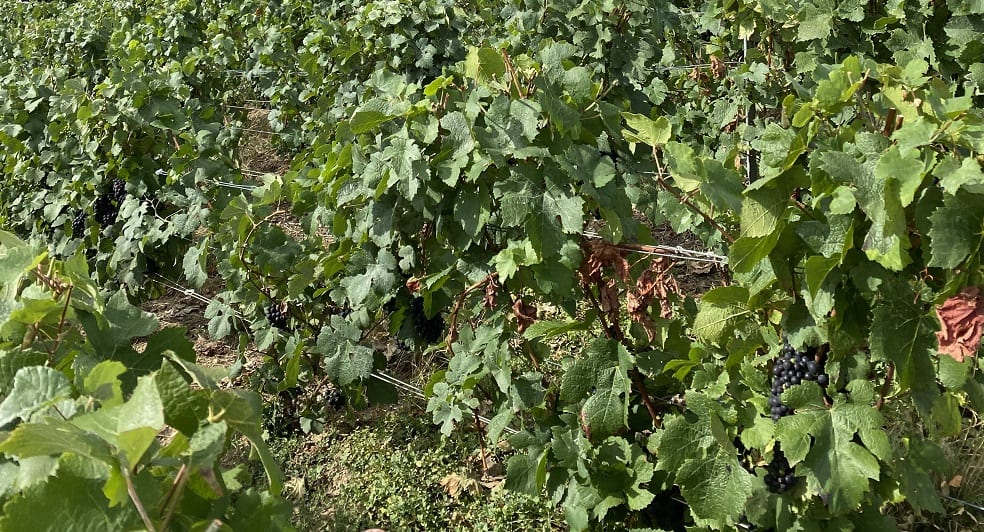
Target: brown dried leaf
654	283
455	484
962	320
491	288
718	68
413	285
525	315
601	254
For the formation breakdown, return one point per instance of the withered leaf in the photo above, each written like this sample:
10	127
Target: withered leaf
962	321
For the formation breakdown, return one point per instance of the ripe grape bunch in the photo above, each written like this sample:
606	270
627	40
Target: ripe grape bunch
277	314
779	475
78	223
119	190
428	329
336	399
790	368
105	211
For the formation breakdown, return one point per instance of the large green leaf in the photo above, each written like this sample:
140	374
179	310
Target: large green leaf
957	231
34	388
721	311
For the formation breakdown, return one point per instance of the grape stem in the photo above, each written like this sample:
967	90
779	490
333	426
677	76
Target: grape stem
132	492
453	325
889	375
481	442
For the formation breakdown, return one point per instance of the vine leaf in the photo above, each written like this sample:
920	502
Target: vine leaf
34	387
74	511
696	449
345	361
721	311
606	412
716	488
840	466
525	473
957	231
962	320
646	130
484	65
903	333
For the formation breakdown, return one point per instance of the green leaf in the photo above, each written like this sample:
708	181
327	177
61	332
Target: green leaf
887	241
587	373
241	410
140	419
183	406
127	321
646	130
525	473
720	312
377	279
103	383
81	506
484	65
964	176
905	334
606	412
957	231
716	488
195	262
53	438
207	445
364	121
34	388
841	466
904	166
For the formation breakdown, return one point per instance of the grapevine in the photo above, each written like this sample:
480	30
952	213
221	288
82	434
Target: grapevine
487	178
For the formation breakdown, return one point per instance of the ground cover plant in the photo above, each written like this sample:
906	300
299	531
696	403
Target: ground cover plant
473	183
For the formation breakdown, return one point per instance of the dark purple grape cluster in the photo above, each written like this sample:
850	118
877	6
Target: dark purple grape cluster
78	223
105	211
790	368
335	399
119	190
779	477
429	330
277	314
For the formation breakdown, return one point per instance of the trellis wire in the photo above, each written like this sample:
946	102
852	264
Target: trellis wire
674	252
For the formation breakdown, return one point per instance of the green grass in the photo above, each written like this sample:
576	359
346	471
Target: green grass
385	470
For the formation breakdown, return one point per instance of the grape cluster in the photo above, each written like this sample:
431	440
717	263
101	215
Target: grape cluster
428	329
336	399
277	315
105	210
119	190
790	368
78	223
779	476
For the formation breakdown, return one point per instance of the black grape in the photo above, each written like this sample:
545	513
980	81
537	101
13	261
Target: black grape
779	475
277	315
428	329
119	190
78	224
105	211
790	368
336	399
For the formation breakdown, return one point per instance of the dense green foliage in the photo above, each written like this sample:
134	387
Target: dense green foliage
449	151
100	436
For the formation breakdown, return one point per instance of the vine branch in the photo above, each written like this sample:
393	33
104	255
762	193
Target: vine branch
889	376
131	490
689	204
